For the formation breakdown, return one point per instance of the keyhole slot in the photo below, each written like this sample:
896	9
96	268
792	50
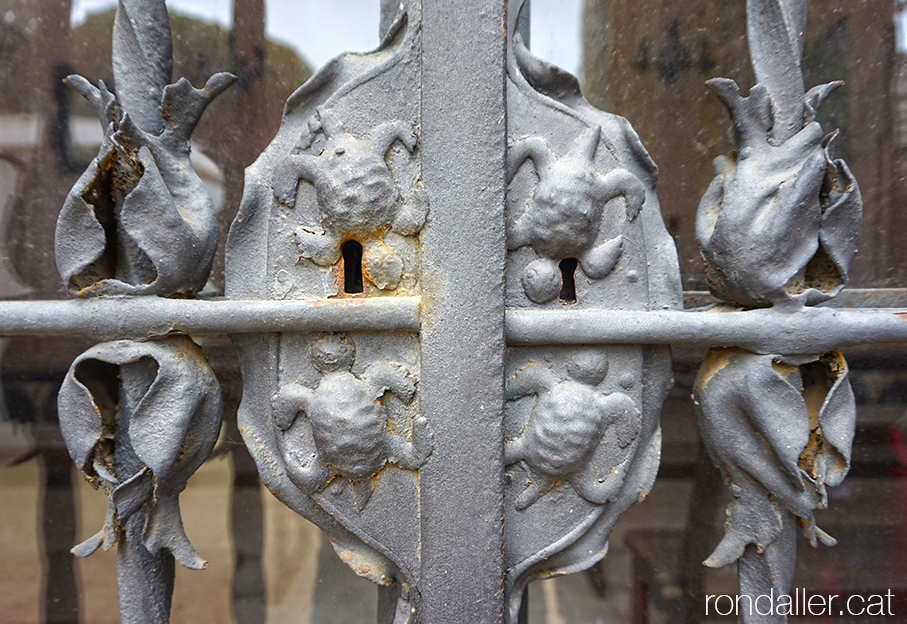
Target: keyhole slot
568	281
352	267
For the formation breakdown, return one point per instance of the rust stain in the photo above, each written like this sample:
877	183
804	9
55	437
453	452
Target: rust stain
715	361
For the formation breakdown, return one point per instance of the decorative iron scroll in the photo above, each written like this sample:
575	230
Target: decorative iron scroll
584	230
779	227
333	209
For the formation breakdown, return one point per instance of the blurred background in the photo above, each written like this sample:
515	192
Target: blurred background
644	59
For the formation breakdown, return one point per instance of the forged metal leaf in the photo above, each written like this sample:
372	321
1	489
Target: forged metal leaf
142	60
775	32
837	420
182	104
164	531
139	418
779	429
839	235
178	239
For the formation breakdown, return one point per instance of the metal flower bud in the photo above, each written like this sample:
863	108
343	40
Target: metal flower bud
139	220
139	418
780	428
781	220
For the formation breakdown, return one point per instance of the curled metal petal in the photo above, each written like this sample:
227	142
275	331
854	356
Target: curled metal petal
780	429
781	220
139	220
139	418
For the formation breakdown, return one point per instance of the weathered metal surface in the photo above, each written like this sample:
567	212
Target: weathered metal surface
582	440
457	430
333	208
144	317
350	434
778	227
810	330
139	418
781	429
847	298
781	221
139	220
807	330
464	134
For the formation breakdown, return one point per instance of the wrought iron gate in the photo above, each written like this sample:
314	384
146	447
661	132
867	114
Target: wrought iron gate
453	295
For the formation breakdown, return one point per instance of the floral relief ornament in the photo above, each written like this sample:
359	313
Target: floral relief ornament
778	227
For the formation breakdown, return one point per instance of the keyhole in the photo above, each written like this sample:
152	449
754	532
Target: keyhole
352	267
568	281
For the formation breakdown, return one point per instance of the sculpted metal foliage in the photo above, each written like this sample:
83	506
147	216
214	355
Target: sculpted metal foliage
139	220
779	227
139	418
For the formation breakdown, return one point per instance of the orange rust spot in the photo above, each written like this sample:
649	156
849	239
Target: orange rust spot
901	315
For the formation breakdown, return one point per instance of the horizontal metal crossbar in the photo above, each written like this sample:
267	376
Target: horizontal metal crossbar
142	317
809	330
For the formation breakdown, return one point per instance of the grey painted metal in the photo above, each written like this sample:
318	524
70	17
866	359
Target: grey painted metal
764	331
333	208
807	330
779	226
847	298
139	220
584	230
780	222
375	401
143	317
139	417
463	246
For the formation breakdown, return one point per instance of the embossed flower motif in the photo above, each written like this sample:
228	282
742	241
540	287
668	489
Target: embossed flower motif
781	220
139	418
781	429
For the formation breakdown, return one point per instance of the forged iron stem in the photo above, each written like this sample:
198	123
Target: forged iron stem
769	573
810	330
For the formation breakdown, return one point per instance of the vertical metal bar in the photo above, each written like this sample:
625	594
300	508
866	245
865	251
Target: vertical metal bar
463	247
